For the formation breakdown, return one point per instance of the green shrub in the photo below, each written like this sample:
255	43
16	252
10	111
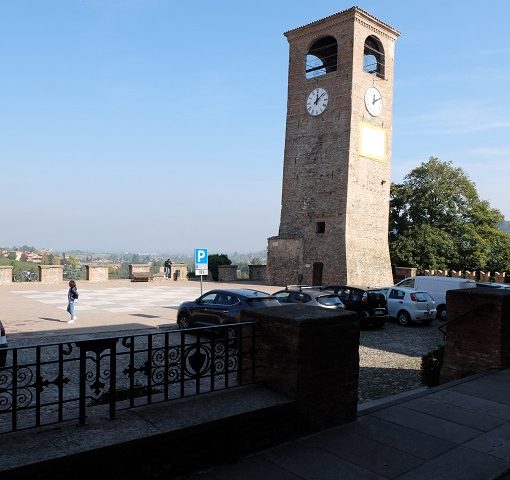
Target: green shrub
431	364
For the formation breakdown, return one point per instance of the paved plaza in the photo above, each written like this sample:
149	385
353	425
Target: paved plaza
28	309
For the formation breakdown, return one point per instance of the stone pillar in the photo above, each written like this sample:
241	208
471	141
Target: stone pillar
227	273
179	271
257	273
51	274
312	355
478	332
499	277
457	274
442	273
5	274
97	273
485	276
429	272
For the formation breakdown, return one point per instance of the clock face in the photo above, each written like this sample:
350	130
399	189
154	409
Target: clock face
373	101
317	101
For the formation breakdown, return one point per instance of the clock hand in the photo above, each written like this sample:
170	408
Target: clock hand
376	99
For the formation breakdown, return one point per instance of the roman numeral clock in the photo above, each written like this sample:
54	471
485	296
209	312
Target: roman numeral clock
337	159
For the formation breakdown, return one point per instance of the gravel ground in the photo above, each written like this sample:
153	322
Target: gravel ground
390	358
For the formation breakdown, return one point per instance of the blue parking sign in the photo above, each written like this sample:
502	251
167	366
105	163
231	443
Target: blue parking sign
201	256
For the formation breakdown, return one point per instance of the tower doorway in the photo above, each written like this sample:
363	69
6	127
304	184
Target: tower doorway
318	267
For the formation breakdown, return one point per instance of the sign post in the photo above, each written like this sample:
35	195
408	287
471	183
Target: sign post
201	264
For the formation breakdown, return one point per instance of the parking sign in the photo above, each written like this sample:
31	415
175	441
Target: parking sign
201	260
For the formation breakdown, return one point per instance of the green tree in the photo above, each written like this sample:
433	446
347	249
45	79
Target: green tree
214	261
11	255
437	220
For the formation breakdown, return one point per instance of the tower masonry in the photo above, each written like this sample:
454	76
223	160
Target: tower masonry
337	160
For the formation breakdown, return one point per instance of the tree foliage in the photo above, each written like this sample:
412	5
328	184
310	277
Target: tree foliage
437	220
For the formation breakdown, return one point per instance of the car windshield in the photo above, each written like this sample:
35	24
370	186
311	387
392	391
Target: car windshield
263	302
329	300
423	297
376	296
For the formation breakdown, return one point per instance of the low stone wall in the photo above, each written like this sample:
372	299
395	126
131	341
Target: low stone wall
5	274
478	332
139	268
258	273
227	273
51	274
97	273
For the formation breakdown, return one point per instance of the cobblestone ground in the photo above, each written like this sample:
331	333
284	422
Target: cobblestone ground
390	358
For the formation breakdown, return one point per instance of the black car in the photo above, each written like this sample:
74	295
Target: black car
310	296
370	305
218	307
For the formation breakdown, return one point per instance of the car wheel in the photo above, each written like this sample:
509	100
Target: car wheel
403	318
184	321
441	314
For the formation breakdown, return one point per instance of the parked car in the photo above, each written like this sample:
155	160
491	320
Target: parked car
437	287
369	304
408	305
218	307
309	295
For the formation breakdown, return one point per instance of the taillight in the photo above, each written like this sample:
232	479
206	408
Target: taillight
413	297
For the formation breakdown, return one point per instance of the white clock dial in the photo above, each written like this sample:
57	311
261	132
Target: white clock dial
373	101
317	101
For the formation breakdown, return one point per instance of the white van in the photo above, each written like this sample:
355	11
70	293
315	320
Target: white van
437	287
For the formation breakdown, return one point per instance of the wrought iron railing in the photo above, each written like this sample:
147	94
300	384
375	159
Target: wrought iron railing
52	383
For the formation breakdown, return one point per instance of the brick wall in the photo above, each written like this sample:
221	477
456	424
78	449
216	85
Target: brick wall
312	355
478	332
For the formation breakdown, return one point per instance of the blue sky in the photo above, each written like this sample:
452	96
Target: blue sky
158	126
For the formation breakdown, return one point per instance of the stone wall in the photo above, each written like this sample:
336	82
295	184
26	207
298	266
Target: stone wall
5	274
51	274
97	273
257	273
179	272
227	273
478	332
139	268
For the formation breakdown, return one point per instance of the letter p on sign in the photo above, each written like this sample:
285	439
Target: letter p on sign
201	256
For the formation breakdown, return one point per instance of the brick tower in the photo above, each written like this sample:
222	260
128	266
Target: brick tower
337	160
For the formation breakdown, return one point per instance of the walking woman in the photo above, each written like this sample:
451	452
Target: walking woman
72	298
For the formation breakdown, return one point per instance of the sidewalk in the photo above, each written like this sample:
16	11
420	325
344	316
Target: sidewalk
457	431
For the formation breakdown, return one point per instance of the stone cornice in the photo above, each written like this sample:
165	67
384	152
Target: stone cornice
353	13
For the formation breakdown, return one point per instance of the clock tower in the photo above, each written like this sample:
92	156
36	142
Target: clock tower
337	160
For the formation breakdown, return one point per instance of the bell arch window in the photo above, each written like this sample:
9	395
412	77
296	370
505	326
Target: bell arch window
321	58
373	56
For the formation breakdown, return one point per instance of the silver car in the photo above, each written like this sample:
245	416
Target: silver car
408	305
309	296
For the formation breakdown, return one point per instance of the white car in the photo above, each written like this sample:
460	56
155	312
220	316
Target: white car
408	305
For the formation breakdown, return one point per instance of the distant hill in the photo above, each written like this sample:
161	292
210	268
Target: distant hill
505	226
